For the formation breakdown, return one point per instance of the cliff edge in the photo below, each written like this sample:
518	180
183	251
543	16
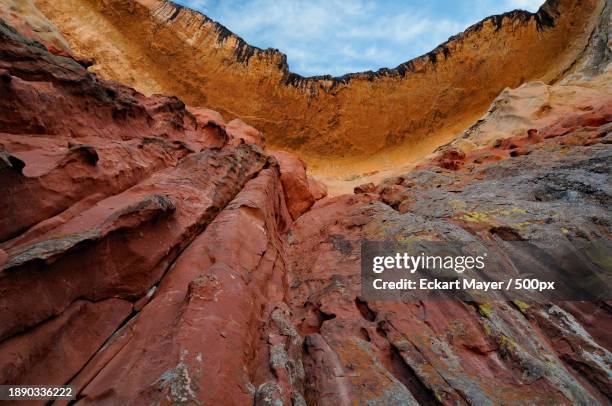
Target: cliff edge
156	46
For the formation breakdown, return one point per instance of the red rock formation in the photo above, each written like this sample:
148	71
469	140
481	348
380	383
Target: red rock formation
153	253
453	352
121	210
301	190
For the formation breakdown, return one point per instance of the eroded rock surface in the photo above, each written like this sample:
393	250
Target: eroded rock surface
155	253
454	352
159	47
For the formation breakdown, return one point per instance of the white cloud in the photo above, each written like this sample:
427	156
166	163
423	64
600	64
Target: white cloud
340	36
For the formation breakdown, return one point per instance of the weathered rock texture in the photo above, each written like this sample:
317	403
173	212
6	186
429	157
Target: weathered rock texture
132	223
29	21
159	47
153	253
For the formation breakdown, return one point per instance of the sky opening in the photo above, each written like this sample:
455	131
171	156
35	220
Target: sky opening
343	36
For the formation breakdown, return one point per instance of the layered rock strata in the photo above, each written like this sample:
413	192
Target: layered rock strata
151	252
159	47
109	199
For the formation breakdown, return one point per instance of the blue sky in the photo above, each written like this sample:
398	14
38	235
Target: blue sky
341	36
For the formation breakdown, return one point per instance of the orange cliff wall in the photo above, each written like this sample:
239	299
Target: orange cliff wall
159	47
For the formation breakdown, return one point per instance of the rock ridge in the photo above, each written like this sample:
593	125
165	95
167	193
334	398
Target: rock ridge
159	47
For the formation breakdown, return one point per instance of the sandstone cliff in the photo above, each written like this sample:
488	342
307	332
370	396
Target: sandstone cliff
159	47
153	253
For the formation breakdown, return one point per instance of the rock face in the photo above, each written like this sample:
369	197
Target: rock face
29	21
159	47
137	223
455	352
153	253
301	190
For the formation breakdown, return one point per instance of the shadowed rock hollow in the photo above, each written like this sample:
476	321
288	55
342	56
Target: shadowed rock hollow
153	252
